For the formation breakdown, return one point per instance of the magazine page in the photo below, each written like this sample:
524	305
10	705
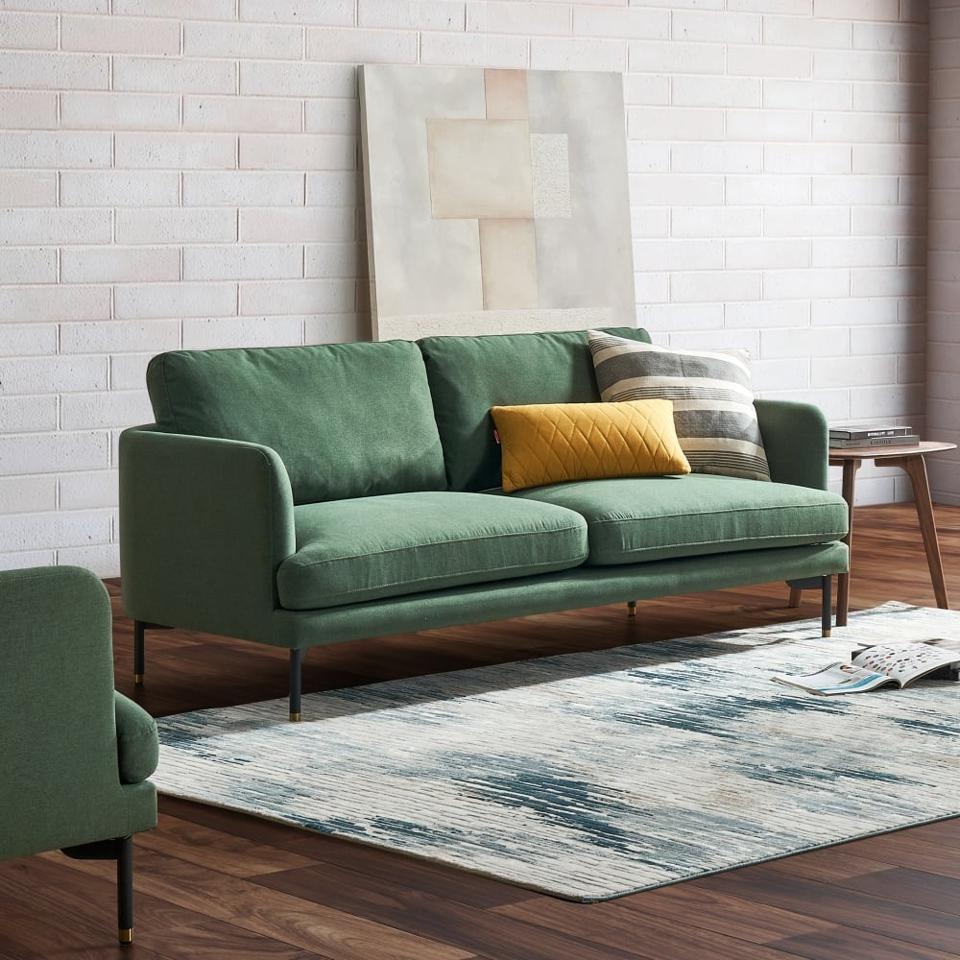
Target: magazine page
907	662
835	679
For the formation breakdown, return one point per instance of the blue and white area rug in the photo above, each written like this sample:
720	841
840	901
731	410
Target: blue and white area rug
594	775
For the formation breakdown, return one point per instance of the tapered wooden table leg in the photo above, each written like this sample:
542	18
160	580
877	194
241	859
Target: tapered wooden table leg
916	469
795	596
911	460
850	468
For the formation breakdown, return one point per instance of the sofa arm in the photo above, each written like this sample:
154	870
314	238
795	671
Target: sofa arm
137	744
796	440
204	524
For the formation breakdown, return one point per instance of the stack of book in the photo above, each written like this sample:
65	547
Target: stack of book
853	435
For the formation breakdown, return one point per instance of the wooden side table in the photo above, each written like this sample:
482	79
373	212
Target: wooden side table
911	460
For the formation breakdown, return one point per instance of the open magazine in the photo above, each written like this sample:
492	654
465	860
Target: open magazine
899	663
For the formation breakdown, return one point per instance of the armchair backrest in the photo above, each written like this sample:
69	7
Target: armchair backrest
58	750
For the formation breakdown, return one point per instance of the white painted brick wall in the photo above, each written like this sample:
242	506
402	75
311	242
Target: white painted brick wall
185	173
943	251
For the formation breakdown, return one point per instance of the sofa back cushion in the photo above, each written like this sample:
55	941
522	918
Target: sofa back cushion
469	375
348	420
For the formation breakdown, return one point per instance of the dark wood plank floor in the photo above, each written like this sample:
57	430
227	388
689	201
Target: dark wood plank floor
213	885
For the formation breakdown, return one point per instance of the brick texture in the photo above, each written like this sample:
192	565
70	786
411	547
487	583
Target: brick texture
943	249
185	173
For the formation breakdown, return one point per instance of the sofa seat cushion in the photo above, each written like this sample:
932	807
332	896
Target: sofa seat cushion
349	551
653	518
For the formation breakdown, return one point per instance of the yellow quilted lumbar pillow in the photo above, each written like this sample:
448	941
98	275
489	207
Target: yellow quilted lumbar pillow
545	443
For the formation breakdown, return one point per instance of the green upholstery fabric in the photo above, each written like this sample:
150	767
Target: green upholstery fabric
137	743
211	539
796	441
351	551
651	518
61	781
469	375
569	589
204	524
347	420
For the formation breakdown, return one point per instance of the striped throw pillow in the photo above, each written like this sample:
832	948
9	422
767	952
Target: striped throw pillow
711	393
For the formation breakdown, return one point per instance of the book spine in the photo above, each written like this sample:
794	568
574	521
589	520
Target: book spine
910	441
869	434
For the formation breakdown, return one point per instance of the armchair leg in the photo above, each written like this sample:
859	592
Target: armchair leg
138	652
826	606
631	608
125	890
121	850
296	678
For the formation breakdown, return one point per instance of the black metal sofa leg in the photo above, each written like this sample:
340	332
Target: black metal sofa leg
125	890
825	585
826	606
296	679
138	652
120	850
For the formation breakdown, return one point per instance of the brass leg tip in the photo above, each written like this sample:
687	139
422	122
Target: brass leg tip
826	633
296	717
138	679
125	934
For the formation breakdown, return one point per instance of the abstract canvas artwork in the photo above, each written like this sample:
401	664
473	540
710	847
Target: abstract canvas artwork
496	200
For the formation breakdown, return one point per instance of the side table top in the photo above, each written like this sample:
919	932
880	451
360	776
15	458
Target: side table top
839	454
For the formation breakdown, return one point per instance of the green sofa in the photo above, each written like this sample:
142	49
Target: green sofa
74	754
299	496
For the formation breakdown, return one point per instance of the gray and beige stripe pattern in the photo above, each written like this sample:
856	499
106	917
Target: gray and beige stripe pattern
711	393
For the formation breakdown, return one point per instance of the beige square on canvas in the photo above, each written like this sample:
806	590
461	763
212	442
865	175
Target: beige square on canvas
480	168
506	94
508	264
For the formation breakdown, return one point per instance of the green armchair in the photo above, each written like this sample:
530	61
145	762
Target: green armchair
74	754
